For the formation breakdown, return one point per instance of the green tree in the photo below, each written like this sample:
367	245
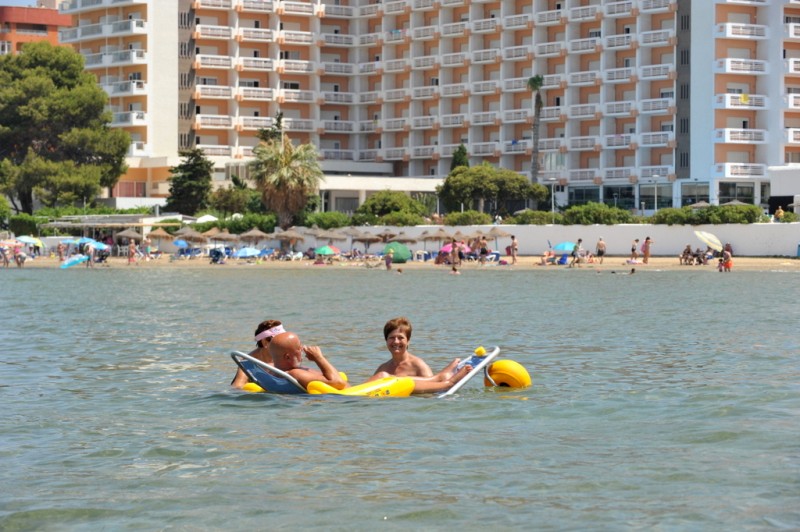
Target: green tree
229	200
596	213
473	187
460	157
190	183
327	220
286	175
52	113
535	86
274	132
5	211
388	201
467	218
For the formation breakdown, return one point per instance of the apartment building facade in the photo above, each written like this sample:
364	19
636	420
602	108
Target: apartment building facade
21	25
647	103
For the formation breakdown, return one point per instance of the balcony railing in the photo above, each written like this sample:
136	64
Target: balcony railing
658	139
261	64
253	123
455	29
337	11
423	122
514	22
619	42
214	61
485	87
555	144
126	88
219	92
655	6
516	53
584	78
517	146
342	98
129	118
454	60
215	150
454	90
213	122
296	37
619	9
396	95
550	18
740	136
549	49
338	39
619	108
424	33
339	126
257	6
618	75
732	65
338	68
486	56
298	124
792	136
205	31
294	95
583	46
655	72
655	38
424	93
616	142
337	155
256	35
584	13
256	94
456	120
483	148
583	111
739	170
395	124
732	30
515	116
582	175
656	106
484	118
551	114
583	143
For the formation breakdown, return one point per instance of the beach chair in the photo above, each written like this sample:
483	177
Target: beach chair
564	259
266	375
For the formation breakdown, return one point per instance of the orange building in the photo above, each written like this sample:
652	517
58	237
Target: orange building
21	25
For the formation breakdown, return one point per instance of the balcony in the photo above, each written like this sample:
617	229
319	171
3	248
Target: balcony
584	13
255	35
423	122
368	97
457	120
732	65
338	39
138	149
517	53
658	139
515	85
456	29
298	124
739	170
212	4
339	98
422	5
256	64
121	28
367	155
655	172
486	56
213	122
619	108
618	75
552	81
224	62
256	6
369	10
454	90
337	11
129	118
254	123
126	88
486	87
295	66
367	126
619	42
584	111
72	7
215	150
116	59
551	114
517	116
369	68
751	32
582	175
618	142
620	172
487	118
244	152
791	32
256	94
396	95
656	38
337	155
657	106
454	60
331	68
549	49
425	93
213	92
296	8
483	148
591	77
555	144
423	152
583	46
652	7
516	22
517	146
550	18
205	31
395	154
583	143
297	96
296	37
619	9
395	124
656	72
792	136
397	7
395	36
792	102
487	25
395	65
740	101
792	67
369	39
425	62
339	126
740	136
424	33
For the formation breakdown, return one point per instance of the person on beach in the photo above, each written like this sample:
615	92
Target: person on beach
635	249
484	249
514	249
576	252
265	331
397	333
388	258
646	249
4	251
132	253
19	256
779	214
287	351
727	260
88	250
600	250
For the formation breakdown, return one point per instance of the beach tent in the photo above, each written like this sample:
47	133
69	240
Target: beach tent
401	252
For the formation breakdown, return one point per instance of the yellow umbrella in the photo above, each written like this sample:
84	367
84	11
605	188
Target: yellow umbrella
709	239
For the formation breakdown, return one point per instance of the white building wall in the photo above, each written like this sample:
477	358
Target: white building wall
702	93
163	78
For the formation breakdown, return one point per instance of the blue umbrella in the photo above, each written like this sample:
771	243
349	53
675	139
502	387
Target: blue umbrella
99	246
69	242
564	246
84	240
180	243
247	252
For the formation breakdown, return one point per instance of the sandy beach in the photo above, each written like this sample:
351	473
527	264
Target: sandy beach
611	263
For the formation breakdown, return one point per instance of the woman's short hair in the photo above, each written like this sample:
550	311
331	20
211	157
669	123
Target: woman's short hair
402	324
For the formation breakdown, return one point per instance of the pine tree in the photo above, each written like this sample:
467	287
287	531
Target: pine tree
190	184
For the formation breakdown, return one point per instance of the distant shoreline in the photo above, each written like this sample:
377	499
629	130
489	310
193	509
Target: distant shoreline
527	263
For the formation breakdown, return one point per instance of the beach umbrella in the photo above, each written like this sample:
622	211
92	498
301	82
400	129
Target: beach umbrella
367	239
289	234
225	236
182	230
331	235
404	239
733	202
254	235
439	235
206	218
700	205
327	250
386	235
180	243
496	233
130	234
564	246
193	236
447	248
32	240
158	234
247	252
709	239
214	231
99	246
400	251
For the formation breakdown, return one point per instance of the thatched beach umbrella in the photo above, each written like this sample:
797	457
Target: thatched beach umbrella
404	239
367	239
495	232
130	234
254	235
386	235
159	234
214	231
193	236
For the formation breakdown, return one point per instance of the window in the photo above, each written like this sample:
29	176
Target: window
434	82
596	34
667	93
291	85
667	126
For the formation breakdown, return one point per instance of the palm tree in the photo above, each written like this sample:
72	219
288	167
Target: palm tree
285	175
535	85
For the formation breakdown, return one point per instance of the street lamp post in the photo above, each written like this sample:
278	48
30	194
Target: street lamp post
655	193
615	199
552	181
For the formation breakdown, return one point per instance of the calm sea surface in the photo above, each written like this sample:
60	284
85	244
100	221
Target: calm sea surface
666	400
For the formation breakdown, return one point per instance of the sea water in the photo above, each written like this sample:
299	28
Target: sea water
666	400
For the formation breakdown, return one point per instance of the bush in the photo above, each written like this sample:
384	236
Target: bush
529	217
25	224
596	213
387	201
467	218
672	216
264	222
364	219
328	220
401	218
789	217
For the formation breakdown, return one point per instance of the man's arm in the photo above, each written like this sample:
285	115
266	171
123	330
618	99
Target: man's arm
327	373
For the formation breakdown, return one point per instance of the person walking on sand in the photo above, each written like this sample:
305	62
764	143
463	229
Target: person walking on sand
576	252
600	249
514	249
646	249
132	253
89	252
635	249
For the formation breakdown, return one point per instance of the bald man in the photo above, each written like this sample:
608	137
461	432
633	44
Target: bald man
287	354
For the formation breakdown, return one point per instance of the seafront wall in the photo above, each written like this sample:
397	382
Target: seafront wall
751	240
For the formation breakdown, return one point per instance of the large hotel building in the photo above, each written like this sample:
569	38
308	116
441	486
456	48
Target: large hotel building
647	103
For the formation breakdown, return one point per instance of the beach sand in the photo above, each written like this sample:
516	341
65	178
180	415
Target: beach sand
530	263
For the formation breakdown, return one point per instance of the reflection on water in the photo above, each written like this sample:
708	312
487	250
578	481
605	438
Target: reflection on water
665	399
